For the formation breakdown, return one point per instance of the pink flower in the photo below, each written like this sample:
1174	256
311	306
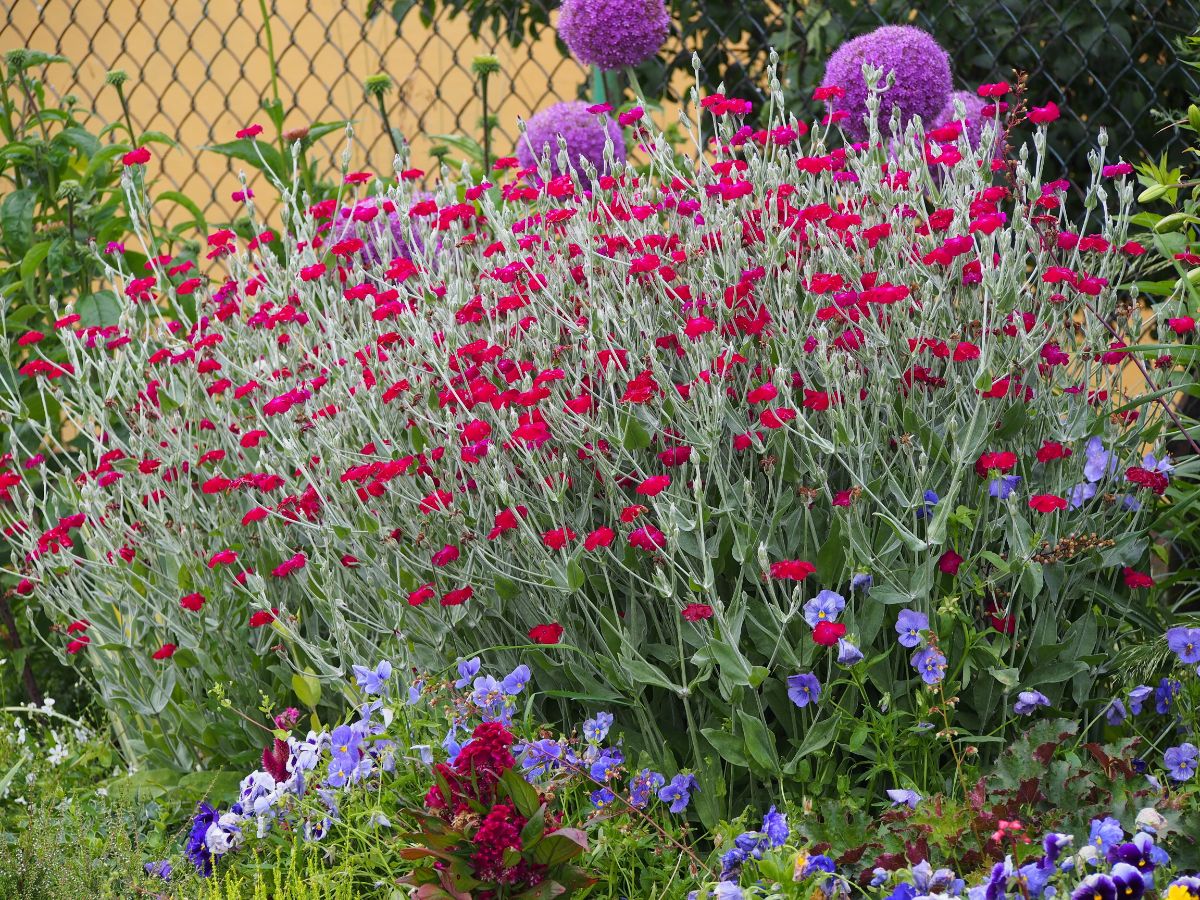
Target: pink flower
1044	115
601	537
136	157
263	617
792	569
1135	579
192	602
696	612
222	558
654	485
1182	324
445	556
166	651
290	565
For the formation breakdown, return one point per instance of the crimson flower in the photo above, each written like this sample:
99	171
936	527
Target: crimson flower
78	644
1135	579
166	651
601	537
192	602
1044	115
1002	462
546	634
1047	503
136	157
697	612
222	558
1052	450
949	562
263	617
654	485
828	633
420	595
792	569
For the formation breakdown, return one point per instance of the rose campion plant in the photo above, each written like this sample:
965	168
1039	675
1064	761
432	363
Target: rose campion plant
789	445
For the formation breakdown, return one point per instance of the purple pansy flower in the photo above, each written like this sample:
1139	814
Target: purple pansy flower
909	625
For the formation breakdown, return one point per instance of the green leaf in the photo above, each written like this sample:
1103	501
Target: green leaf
188	204
16	220
307	688
1010	678
911	541
643	673
818	737
560	846
634	437
729	746
29	266
156	137
99	310
261	156
760	743
523	794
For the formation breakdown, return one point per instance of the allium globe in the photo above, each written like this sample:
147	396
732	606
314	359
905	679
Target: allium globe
584	132
922	76
972	118
612	34
385	235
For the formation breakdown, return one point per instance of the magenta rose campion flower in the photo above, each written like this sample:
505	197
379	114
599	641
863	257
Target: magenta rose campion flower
922	76
584	132
612	34
972	118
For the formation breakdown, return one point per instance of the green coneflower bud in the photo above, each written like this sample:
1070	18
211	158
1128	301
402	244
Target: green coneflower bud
377	85
69	189
483	66
116	77
17	59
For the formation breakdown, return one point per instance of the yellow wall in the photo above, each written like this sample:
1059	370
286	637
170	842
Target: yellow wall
198	69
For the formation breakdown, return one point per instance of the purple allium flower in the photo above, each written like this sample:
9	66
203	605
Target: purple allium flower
824	607
1028	701
1185	643
679	792
385	235
584	133
922	72
930	664
1181	761
775	827
612	34
1137	697
972	119
909	625
904	797
803	689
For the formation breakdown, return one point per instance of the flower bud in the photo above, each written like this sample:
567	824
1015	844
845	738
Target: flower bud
377	85
116	77
483	66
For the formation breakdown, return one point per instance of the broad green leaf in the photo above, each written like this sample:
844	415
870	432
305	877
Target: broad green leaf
731	747
760	743
307	688
16	220
99	310
560	846
188	204
29	266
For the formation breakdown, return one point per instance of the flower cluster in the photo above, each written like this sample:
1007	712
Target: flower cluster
1109	865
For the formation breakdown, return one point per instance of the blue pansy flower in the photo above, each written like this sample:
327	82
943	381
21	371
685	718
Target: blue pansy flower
1181	761
909	625
515	681
679	792
373	681
467	669
825	607
1029	701
803	689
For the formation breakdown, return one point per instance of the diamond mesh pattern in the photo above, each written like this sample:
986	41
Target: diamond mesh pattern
199	70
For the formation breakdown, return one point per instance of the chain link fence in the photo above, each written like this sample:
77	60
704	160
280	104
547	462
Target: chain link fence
200	68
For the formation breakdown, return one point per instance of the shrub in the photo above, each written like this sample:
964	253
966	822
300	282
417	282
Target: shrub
798	447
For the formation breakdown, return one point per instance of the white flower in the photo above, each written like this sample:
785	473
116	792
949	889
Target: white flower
1151	820
58	753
